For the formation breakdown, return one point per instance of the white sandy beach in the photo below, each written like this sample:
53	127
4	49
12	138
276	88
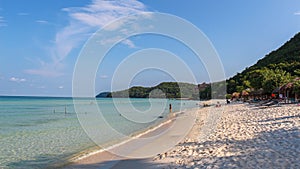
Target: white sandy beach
245	137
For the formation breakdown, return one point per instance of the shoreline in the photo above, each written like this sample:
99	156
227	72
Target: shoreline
104	156
85	155
245	137
117	143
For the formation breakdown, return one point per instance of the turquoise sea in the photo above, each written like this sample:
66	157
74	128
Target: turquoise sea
40	132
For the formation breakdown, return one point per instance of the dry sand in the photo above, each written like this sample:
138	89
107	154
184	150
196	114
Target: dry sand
245	137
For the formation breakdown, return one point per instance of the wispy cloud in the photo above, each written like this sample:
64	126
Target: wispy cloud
129	43
101	12
297	13
103	76
15	79
2	21
82	22
42	21
60	87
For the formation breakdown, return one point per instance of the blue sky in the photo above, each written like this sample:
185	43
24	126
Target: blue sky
41	40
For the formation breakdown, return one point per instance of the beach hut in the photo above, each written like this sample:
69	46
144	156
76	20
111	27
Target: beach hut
290	90
286	91
235	96
245	94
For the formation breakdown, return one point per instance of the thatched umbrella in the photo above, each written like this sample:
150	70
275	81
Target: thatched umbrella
235	95
245	93
289	87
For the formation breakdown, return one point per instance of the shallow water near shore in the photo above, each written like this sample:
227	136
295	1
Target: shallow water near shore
38	132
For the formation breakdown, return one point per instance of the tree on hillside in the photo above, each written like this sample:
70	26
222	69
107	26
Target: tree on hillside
297	72
231	86
286	58
205	93
255	78
273	79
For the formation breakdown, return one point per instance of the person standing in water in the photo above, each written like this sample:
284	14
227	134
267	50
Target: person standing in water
171	114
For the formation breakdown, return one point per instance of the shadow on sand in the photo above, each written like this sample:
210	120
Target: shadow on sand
273	149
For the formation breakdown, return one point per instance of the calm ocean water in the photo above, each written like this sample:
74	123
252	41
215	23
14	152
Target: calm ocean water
36	132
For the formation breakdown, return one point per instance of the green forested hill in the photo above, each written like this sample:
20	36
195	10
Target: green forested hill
163	90
272	71
288	53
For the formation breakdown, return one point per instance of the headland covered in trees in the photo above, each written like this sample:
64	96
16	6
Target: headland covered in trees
276	74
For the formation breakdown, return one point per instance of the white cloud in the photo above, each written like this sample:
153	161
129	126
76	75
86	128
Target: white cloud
103	76
82	22
129	43
126	42
108	40
60	87
297	13
15	79
42	21
101	12
2	21
96	15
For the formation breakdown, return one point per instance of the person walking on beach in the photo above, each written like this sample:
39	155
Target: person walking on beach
170	108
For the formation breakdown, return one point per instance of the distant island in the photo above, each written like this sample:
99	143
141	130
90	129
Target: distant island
163	90
276	74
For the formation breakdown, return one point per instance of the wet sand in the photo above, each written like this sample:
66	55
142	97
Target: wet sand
139	152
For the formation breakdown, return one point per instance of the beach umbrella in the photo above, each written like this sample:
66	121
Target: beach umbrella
245	93
235	95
